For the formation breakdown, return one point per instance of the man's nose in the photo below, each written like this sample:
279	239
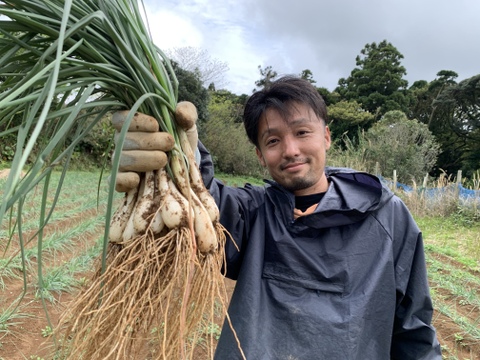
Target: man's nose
290	148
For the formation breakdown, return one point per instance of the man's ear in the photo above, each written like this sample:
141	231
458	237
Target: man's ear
328	138
260	157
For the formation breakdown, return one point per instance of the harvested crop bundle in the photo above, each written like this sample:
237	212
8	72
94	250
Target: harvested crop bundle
159	281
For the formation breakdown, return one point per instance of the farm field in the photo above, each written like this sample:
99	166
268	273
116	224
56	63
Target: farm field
73	240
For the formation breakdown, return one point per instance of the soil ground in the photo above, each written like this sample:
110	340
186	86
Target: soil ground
28	340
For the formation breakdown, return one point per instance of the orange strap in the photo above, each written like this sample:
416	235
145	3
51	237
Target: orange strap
297	213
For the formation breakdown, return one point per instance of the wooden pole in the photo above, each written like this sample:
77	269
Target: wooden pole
425	181
459	182
394	180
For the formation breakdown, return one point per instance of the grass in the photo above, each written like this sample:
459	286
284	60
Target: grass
81	197
450	236
467	326
452	249
9	318
65	278
238	181
9	268
461	285
61	240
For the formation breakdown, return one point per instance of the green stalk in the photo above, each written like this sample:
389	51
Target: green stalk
42	223
65	64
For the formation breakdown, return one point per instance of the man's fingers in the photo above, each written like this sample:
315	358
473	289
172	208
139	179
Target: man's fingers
126	181
140	122
141	161
147	141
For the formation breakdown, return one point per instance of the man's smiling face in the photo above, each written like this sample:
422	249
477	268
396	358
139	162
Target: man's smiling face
293	149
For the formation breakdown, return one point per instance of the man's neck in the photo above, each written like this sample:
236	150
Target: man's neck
304	202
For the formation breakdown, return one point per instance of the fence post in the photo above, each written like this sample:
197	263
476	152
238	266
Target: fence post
425	181
377	169
394	180
424	187
459	182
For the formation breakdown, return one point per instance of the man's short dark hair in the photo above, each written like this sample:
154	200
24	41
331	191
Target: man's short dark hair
279	95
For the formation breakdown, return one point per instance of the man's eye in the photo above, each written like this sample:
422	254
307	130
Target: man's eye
272	141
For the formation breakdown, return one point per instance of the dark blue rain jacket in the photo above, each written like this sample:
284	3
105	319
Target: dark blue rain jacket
346	282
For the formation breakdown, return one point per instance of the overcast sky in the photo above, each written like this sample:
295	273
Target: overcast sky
323	36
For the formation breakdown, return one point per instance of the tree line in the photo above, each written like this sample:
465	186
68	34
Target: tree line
374	115
440	118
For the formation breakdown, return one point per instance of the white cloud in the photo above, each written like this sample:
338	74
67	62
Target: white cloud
322	36
170	30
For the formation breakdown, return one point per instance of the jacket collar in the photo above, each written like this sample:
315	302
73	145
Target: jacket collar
351	196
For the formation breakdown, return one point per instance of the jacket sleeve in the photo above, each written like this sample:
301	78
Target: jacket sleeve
238	207
414	337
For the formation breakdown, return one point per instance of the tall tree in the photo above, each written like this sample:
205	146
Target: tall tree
211	71
307	75
267	76
377	82
397	143
424	93
235	103
330	97
190	88
427	110
456	123
222	129
347	118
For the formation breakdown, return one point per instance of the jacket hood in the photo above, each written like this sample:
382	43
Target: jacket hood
351	196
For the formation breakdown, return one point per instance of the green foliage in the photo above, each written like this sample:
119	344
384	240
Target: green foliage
9	317
307	75
235	103
239	180
377	82
47	331
345	153
456	123
398	143
226	140
7	149
424	95
448	236
267	76
330	97
95	148
348	117
190	88
213	330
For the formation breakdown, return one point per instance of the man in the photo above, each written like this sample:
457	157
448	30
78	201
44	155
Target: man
331	263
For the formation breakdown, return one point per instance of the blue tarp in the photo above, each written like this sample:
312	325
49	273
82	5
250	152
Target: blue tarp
463	193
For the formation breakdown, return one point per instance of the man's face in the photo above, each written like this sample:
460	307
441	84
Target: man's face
294	149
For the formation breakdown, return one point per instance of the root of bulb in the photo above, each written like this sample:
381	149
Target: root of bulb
134	306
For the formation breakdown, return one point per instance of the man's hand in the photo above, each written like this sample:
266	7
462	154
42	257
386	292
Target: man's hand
144	148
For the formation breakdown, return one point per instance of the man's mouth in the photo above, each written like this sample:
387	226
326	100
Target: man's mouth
293	165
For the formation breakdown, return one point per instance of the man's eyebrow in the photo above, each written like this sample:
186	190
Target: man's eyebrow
267	132
294	122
